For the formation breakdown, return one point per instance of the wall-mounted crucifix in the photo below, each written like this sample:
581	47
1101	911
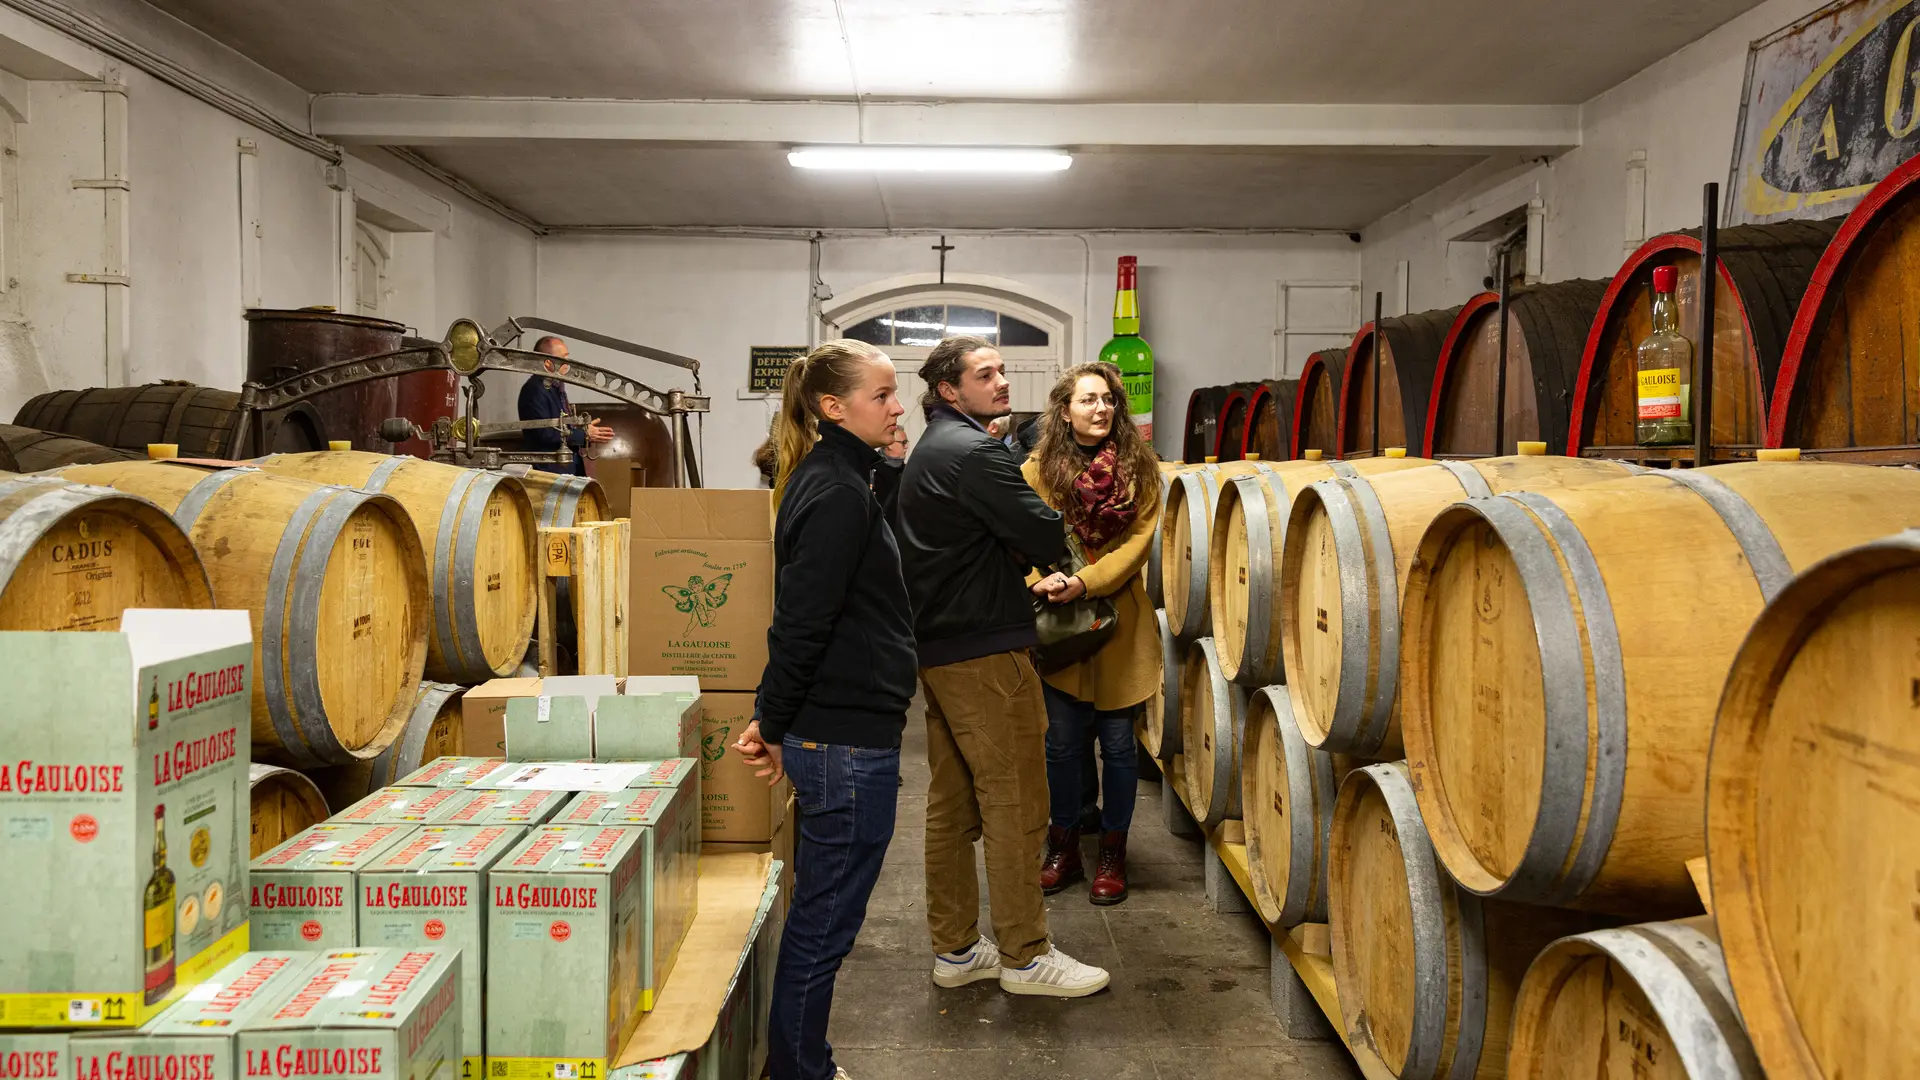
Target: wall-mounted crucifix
943	247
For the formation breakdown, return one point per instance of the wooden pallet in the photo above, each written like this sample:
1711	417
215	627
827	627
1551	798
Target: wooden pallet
1306	946
593	560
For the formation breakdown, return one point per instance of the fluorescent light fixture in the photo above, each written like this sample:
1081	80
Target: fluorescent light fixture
928	159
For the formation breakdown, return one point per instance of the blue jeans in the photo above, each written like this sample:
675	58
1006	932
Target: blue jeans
846	796
1071	726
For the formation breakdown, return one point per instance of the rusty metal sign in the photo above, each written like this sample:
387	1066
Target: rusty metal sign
1831	106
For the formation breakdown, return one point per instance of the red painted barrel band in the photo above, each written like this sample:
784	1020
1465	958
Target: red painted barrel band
1253	406
1346	384
1302	398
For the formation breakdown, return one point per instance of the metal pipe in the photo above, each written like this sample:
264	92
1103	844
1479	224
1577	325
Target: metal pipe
1379	299
1709	284
1500	380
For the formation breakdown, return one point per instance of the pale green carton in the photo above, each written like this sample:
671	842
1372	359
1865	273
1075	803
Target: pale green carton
35	1055
653	716
195	1039
371	1014
493	807
557	724
671	822
405	806
673	772
452	772
303	890
431	893
124	816
564	952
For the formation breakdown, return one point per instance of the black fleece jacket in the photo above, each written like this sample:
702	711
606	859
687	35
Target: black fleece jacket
970	528
840	659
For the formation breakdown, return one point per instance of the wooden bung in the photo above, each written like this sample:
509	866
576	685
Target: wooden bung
478	529
1213	721
1426	971
1638	1001
1564	652
74	557
1812	804
1185	525
1353	536
1247	537
433	730
1286	801
1160	724
282	804
334	584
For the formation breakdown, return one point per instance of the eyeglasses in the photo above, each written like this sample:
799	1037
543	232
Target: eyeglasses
1089	401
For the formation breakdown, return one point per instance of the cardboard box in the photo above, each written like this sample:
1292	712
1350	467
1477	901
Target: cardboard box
404	806
564	952
431	893
601	718
673	772
124	809
781	847
735	806
507	808
652	717
702	579
671	887
371	1014
196	1038
303	890
483	713
453	772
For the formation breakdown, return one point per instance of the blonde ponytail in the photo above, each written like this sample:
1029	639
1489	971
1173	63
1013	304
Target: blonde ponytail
832	368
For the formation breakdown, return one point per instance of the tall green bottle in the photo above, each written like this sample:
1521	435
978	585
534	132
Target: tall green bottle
1130	352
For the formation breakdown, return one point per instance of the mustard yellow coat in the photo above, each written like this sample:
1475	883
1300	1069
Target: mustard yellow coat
1126	671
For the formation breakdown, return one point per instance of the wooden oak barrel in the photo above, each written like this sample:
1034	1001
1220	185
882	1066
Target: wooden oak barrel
1163	735
1316	405
1547	328
334	583
1564	651
1270	419
202	421
1202	430
74	557
562	501
1213	722
282	804
1638	1001
1426	971
1230	435
1811	813
1155	580
1406	367
433	730
1844	390
479	530
1184	543
1249	533
1764	270
24	450
1287	791
1352	538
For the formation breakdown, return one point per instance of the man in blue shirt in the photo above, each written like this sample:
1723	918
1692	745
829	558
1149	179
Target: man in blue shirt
546	399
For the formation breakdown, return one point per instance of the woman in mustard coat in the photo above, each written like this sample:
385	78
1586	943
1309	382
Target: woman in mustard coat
1092	465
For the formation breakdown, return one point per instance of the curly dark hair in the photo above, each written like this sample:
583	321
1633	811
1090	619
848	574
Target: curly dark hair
1061	463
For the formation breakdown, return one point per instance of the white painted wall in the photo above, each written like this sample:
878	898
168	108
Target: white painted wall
1209	305
1682	111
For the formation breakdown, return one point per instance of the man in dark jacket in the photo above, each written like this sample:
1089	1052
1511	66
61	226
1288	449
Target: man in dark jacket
970	528
542	398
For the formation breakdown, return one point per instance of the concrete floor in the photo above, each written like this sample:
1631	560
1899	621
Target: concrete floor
1188	999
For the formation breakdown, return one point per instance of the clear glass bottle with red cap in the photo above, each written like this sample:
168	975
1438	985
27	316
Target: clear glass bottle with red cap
1664	363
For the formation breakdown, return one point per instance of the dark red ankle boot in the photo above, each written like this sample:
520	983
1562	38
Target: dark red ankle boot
1110	881
1062	867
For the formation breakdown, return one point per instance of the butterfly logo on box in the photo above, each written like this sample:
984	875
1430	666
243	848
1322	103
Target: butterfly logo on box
699	598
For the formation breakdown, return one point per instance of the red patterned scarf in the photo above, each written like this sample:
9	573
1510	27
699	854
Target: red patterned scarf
1104	497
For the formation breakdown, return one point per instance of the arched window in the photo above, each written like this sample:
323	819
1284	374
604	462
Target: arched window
908	320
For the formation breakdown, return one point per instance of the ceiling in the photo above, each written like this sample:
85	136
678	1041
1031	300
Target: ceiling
1078	53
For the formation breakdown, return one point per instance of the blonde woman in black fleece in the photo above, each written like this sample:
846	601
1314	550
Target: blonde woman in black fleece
839	677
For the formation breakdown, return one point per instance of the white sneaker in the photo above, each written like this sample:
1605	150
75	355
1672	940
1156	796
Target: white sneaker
1054	974
840	1074
980	962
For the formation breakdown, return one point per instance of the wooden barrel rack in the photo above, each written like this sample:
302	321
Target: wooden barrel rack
1764	272
1846	388
1407	363
1547	328
1269	416
1316	405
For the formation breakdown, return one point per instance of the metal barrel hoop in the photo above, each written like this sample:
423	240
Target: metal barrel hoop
274	655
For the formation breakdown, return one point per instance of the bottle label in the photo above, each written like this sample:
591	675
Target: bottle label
1659	394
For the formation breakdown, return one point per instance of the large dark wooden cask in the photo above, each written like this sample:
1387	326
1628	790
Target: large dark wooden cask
1316	404
1270	420
281	344
1547	328
1202	431
1764	271
1408	357
25	450
200	420
1848	385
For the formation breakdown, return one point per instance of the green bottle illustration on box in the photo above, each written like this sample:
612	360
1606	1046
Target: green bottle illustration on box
1130	352
153	706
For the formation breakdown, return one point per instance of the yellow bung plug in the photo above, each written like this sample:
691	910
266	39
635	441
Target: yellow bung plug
1532	449
1396	451
1252	457
1211	460
1313	455
1778	454
160	451
339	444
